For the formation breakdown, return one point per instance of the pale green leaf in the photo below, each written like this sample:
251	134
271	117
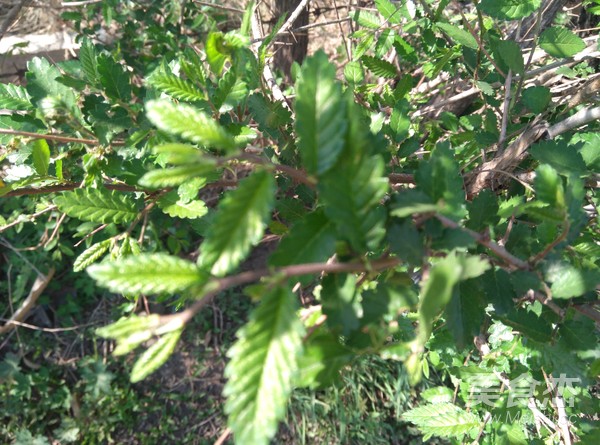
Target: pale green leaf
263	366
173	206
320	114
155	356
510	53
459	35
14	97
238	224
391	12
353	73
442	420
97	205
560	42
509	9
148	274
91	255
569	281
183	154
189	123
176	87
366	19
169	177
41	156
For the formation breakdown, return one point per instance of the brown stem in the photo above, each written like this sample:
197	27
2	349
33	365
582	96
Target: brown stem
56	137
66	187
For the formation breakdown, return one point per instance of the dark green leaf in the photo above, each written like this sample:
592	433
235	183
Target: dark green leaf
114	78
320	114
510	53
406	242
483	211
459	35
379	67
89	64
263	366
536	98
562	157
340	301
465	312
560	42
239	223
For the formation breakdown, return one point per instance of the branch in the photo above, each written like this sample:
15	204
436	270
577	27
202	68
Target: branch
582	117
56	137
486	242
67	187
29	217
290	21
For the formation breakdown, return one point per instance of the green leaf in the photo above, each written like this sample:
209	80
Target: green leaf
459	35
565	159
536	98
41	156
320	114
173	206
548	187
380	67
155	356
216	52
238	224
311	240
14	97
510	53
440	178
176	87
353	72
189	123
411	201
483	211
560	42
97	205
406	242
322	360
390	12
442	420
569	281
89	64
41	83
131	332
263	366
169	177
528	324
366	19
465	312
509	9
351	195
400	121
340	301
230	92
114	78
148	274
91	255
588	144
182	154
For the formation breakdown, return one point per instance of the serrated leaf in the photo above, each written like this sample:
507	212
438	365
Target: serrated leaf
406	242
14	97
181	154
353	72
528	324
148	274
411	201
483	211
400	121
175	207
510	53
320	114
560	42
562	157
459	35
366	19
169	177
189	123
351	194
536	98
465	312
569	281
155	356
440	178
176	87
311	240
114	78
264	363
340	300
91	255
379	67
509	9
548	186
97	205
230	92
42	83
41	156
442	420
239	223
89	65
322	360
127	326
390	12
215	52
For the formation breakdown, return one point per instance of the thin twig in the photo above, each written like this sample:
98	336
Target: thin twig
486	242
67	187
56	137
217	6
20	219
290	21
